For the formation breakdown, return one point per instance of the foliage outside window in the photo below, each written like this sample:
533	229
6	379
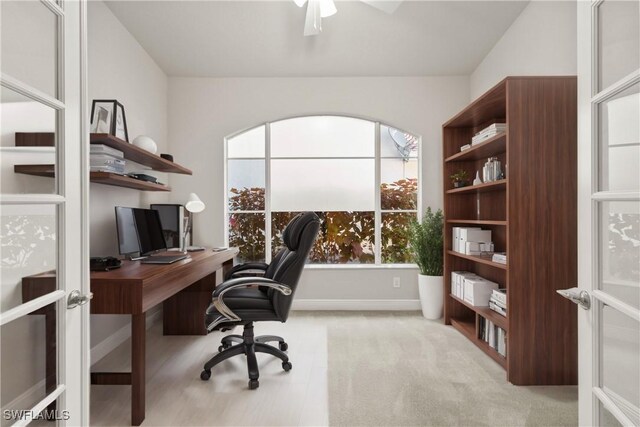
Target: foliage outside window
342	191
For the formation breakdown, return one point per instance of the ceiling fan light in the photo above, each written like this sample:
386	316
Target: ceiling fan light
327	8
313	20
300	3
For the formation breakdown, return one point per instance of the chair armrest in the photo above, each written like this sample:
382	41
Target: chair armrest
226	314
244	282
261	266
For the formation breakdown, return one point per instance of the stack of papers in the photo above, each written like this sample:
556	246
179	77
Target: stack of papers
488	132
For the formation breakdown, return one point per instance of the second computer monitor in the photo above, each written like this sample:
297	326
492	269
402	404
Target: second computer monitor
142	225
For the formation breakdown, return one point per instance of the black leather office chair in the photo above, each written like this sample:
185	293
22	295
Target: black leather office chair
238	301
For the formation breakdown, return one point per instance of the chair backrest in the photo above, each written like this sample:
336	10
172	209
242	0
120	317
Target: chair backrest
298	238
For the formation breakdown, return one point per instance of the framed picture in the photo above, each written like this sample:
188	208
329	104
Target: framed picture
107	116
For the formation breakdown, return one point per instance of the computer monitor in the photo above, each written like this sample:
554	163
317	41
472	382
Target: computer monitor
128	242
139	230
172	221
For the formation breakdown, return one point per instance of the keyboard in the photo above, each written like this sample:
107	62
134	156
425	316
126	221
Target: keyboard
163	259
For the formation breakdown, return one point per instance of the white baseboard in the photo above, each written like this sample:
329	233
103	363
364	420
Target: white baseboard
110	343
356	304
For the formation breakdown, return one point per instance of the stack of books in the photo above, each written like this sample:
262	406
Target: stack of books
498	301
499	257
106	159
493	335
488	132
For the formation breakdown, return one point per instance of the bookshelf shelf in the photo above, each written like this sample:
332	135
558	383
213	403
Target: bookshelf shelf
105	178
468	329
491	147
476	221
485	312
539	147
138	155
130	152
479	259
480	188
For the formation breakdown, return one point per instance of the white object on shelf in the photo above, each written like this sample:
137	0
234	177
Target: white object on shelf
478	248
477	181
146	144
472	235
477	291
97	149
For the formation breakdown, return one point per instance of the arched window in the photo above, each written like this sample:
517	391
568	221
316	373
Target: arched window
361	177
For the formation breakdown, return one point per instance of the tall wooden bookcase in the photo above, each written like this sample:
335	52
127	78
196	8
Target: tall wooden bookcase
532	214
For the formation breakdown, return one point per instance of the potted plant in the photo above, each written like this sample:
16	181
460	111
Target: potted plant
459	179
426	242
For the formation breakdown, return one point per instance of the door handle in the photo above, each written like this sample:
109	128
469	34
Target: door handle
577	296
76	298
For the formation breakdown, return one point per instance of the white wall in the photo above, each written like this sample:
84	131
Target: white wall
119	68
541	41
203	111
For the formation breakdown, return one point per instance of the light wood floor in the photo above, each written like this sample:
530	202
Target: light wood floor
176	396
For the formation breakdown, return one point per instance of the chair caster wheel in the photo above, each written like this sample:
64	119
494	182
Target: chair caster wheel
287	366
284	346
205	375
253	384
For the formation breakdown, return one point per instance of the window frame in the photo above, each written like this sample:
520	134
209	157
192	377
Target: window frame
378	211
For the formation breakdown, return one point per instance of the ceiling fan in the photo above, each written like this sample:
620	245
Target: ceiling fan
318	9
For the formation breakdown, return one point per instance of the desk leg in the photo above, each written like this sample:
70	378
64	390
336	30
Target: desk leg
226	266
138	337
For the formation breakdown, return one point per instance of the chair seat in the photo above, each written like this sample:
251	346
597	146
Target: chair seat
250	304
247	299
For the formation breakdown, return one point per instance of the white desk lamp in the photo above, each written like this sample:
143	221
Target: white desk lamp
194	205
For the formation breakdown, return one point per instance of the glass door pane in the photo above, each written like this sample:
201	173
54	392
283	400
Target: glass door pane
620	251
27	145
28	364
618	40
619	132
28	248
620	375
29	41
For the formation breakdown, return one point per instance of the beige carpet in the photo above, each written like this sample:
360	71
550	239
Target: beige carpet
399	369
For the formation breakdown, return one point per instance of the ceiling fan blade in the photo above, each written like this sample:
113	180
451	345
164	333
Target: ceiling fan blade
313	20
387	6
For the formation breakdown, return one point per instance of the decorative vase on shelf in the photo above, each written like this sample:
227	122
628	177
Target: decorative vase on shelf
146	143
477	181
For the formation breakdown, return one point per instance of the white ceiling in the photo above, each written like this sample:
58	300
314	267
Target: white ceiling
264	38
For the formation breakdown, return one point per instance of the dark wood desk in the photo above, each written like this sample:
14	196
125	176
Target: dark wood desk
184	288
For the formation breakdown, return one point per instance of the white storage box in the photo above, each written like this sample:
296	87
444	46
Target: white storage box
477	248
472	235
477	291
457	282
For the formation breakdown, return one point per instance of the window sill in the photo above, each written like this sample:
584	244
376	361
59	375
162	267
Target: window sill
360	267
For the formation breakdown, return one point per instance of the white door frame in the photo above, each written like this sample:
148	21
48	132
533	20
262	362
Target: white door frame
590	343
71	201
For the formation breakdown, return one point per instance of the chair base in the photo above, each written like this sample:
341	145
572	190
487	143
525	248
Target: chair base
248	345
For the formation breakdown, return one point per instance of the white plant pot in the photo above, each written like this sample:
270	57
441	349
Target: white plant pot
431	293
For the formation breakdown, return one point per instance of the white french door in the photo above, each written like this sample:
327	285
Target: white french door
44	344
609	211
